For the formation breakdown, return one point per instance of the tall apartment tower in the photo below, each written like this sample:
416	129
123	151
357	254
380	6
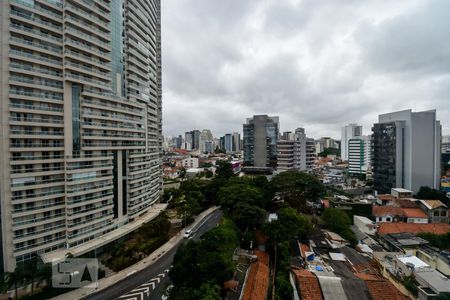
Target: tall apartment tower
260	141
80	123
406	151
295	152
236	142
349	132
359	155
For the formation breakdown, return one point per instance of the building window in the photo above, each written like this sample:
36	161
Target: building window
388	219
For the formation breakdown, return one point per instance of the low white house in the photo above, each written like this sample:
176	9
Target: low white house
365	225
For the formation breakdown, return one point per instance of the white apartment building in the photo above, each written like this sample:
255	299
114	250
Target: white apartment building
349	132
359	155
297	153
80	123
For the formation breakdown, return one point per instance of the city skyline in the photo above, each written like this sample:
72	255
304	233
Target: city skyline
312	75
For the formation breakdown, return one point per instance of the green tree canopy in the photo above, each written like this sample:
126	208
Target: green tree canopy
224	169
298	187
338	221
290	225
427	193
232	194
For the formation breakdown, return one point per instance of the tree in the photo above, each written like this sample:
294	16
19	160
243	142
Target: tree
224	169
13	279
246	215
427	193
298	187
289	226
329	151
338	221
232	194
208	260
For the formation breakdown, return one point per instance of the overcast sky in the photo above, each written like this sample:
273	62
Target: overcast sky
315	64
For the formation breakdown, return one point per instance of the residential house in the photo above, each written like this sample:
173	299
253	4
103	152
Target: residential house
387	214
439	260
415	215
386	228
432	284
436	210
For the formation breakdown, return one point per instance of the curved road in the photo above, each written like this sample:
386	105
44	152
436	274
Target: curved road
158	268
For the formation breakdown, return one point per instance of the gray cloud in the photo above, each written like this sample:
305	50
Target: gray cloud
317	64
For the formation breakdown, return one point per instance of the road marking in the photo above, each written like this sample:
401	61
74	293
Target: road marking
142	292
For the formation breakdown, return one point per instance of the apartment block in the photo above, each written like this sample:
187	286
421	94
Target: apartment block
406	151
80	122
349	132
359	155
260	141
295	153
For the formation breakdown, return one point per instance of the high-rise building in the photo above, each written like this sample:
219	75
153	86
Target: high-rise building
406	150
192	140
349	132
359	155
297	152
206	141
260	141
228	142
80	123
178	141
445	144
236	142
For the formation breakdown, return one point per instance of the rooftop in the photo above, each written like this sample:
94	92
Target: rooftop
308	285
401	190
429	277
414	213
257	283
432	204
413	260
382	211
386	197
438	228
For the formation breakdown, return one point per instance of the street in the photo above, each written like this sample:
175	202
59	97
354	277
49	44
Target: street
151	282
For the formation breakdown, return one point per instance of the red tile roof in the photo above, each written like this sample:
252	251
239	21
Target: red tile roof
381	211
386	197
414	213
257	283
380	288
386	228
308	285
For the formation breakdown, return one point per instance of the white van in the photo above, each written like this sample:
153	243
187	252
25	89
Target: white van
187	233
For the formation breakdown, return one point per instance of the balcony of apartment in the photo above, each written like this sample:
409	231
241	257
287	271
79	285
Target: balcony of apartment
88	81
87	15
88	225
136	112
36	83
40	246
73	182
38	196
94	198
38	221
73	214
96	112
89	50
92	40
114	101
126	127
36	8
36	108
91	27
22	235
33	20
30	182
104	67
35	171
74	191
73	163
36	122
35	33
104	77
35	58
36	209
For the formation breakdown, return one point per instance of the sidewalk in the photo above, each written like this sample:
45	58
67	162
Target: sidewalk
148	261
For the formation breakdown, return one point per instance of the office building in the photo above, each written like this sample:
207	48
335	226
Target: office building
297	152
349	132
445	144
406	151
81	123
260	141
206	141
236	142
359	155
228	142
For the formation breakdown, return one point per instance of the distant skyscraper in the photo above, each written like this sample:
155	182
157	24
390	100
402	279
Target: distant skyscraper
206	141
406	150
236	142
188	140
446	144
349	132
178	141
228	142
260	141
80	90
